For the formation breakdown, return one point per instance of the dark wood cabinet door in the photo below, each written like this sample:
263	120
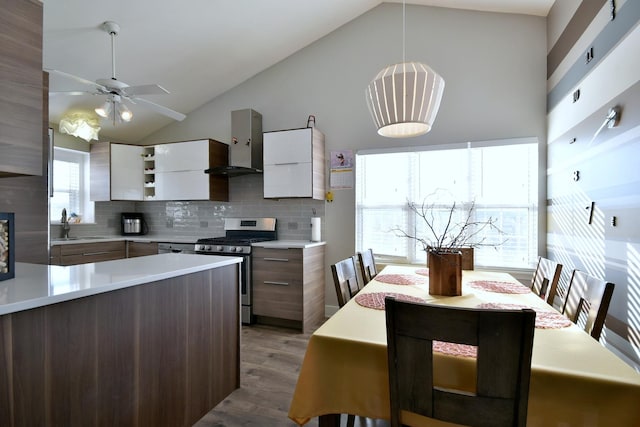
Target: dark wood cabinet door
21	95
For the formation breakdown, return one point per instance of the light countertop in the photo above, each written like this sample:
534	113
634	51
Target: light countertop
134	238
37	285
285	244
275	244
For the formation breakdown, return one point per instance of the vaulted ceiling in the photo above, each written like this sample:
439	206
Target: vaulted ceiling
196	49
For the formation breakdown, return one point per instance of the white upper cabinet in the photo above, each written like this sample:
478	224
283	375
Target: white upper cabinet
294	164
182	156
171	171
287	147
127	172
182	185
180	170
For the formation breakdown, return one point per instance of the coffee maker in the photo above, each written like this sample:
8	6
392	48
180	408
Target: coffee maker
133	223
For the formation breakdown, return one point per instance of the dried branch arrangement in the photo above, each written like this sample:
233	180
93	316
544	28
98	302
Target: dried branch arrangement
454	234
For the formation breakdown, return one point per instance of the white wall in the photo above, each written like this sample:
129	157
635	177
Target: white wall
494	67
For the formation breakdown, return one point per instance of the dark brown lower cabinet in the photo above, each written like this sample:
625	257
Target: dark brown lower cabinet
135	249
158	354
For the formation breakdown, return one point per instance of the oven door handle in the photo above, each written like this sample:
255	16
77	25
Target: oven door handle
269	282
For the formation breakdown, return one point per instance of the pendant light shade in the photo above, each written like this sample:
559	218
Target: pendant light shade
80	124
404	99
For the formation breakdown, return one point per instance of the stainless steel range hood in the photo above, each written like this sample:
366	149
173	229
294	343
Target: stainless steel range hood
245	150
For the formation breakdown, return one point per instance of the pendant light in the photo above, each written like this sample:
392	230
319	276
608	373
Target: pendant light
404	98
80	124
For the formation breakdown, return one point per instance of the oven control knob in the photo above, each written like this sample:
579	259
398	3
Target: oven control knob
218	248
207	248
233	249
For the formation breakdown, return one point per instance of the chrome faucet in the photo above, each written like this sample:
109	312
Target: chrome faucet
65	224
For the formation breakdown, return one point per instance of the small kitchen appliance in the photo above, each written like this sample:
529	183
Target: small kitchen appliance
133	224
240	233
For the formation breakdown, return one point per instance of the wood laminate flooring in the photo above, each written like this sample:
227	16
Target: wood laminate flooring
270	361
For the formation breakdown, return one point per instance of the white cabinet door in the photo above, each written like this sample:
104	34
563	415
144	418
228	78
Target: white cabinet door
289	180
127	175
182	156
183	185
287	146
287	163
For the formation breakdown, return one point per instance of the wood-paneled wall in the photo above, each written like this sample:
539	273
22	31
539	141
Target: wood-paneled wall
593	179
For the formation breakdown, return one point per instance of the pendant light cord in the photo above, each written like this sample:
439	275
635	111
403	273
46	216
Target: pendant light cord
403	31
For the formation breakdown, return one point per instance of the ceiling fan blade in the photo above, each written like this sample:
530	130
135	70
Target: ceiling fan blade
74	93
76	78
160	109
145	90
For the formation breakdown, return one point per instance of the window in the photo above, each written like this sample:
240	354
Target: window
500	177
71	186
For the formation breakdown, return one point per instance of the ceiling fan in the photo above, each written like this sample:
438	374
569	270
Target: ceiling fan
117	91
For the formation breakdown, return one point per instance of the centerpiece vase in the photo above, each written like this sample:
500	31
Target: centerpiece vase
445	272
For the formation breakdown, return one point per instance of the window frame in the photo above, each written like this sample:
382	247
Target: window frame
86	206
412	251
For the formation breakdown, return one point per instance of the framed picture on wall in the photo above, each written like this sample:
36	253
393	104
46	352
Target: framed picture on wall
7	256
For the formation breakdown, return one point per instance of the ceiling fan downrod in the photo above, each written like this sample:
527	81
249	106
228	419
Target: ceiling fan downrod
112	28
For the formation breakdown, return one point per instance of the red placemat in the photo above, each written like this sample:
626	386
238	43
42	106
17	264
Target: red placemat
454	349
422	271
545	319
402	279
375	300
499	287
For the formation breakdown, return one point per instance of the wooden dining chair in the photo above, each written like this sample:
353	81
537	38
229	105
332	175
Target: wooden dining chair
504	340
345	279
588	301
367	265
545	280
347	283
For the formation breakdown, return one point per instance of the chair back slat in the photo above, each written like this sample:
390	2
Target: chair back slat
367	263
345	279
545	280
587	302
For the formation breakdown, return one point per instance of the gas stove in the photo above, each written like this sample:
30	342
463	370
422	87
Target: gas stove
240	233
226	245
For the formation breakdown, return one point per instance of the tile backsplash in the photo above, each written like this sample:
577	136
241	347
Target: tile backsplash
206	218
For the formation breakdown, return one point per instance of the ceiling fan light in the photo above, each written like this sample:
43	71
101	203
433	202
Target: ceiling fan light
104	109
124	113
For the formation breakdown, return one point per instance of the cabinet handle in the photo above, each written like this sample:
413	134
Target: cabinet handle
288	163
269	282
277	259
95	253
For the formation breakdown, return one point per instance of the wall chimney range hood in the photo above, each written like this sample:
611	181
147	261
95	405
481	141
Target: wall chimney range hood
245	149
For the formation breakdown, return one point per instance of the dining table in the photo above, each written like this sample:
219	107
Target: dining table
575	380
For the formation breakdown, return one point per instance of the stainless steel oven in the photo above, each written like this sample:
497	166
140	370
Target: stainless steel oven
240	233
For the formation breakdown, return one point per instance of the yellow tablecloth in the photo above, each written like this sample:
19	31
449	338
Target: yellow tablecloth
575	381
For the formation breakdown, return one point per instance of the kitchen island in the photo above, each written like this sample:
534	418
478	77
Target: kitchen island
136	342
